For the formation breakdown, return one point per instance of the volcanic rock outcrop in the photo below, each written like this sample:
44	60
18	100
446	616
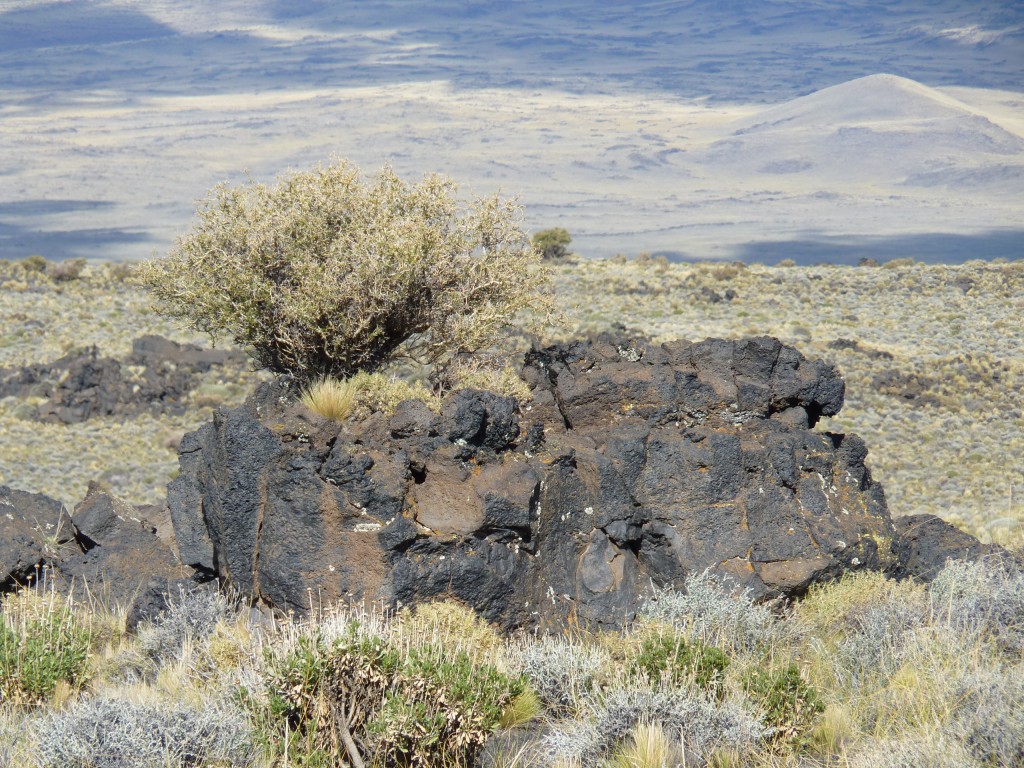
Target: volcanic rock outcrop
157	378
633	464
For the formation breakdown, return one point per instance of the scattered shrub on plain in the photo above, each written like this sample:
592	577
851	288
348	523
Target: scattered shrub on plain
34	263
325	274
65	271
552	243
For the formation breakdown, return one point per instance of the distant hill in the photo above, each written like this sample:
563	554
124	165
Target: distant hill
882	129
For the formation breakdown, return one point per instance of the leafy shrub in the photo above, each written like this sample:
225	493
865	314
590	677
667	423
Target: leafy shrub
113	733
420	706
441	708
709	610
552	243
325	274
668	657
790	706
42	643
560	671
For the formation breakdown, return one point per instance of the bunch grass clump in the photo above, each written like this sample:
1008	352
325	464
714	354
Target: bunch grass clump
327	274
337	399
44	646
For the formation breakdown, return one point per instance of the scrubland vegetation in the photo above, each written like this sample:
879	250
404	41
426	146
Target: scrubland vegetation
861	672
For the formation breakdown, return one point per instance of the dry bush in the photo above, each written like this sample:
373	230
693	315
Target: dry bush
327	274
116	732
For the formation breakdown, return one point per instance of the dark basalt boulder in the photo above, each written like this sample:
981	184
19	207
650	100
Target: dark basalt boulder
33	530
927	543
104	549
633	464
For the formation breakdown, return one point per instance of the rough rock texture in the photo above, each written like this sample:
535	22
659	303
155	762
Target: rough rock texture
926	542
33	528
156	377
633	464
104	548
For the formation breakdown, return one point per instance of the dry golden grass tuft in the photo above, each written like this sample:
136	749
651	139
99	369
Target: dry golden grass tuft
331	398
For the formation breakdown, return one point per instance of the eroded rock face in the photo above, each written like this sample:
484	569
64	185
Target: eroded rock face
632	464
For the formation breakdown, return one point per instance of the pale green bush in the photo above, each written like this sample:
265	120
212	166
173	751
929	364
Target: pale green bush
328	274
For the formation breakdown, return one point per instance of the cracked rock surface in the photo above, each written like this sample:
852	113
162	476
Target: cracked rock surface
633	464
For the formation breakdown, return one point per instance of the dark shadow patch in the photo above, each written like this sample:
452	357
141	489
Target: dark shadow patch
931	248
75	23
18	242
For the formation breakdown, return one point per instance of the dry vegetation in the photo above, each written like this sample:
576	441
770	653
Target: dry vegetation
863	672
